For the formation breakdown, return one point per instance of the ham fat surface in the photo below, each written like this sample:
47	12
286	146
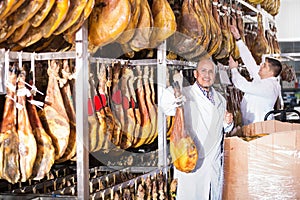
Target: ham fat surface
54	116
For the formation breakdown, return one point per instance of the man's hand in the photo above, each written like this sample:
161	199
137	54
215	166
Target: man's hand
232	63
228	118
169	103
228	123
235	32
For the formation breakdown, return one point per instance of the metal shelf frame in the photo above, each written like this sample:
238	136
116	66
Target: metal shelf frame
284	56
82	59
258	9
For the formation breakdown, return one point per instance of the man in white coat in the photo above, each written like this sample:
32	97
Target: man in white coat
204	111
261	93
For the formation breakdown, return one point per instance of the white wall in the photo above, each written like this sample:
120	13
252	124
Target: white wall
288	20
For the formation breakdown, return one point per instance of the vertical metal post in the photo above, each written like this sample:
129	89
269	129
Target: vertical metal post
161	119
81	113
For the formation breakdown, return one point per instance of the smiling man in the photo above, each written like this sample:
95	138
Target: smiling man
204	111
261	93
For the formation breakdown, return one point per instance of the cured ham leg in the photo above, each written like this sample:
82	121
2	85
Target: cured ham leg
52	21
233	21
261	44
201	45
100	140
93	123
183	150
24	13
193	29
109	118
9	140
45	149
69	34
42	13
54	116
164	21
129	126
27	142
146	126
107	21
151	107
117	126
227	39
116	105
76	7
141	38
68	103
240	23
215	30
134	19
134	105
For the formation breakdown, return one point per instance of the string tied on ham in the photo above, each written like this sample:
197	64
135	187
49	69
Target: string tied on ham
67	75
10	86
18	106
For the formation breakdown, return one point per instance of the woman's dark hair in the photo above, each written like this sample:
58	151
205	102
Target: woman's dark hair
275	65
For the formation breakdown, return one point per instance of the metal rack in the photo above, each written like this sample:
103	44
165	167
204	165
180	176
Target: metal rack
83	58
258	9
284	56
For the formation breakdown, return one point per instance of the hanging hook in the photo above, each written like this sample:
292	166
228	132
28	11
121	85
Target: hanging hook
6	65
98	66
32	68
20	59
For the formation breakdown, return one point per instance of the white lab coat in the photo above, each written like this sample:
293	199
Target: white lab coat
204	121
260	95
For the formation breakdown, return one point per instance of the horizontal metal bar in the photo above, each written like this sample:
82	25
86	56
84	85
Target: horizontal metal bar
123	61
55	55
288	56
259	10
25	56
181	63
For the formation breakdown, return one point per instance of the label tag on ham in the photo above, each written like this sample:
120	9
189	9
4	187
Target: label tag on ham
133	103
10	86
90	107
117	97
100	102
125	103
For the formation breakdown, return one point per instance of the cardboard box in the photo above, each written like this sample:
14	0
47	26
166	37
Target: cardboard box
265	168
269	126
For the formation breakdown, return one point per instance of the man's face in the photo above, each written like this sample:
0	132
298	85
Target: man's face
265	71
205	73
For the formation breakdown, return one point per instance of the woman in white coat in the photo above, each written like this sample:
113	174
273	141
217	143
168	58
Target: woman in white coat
204	111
